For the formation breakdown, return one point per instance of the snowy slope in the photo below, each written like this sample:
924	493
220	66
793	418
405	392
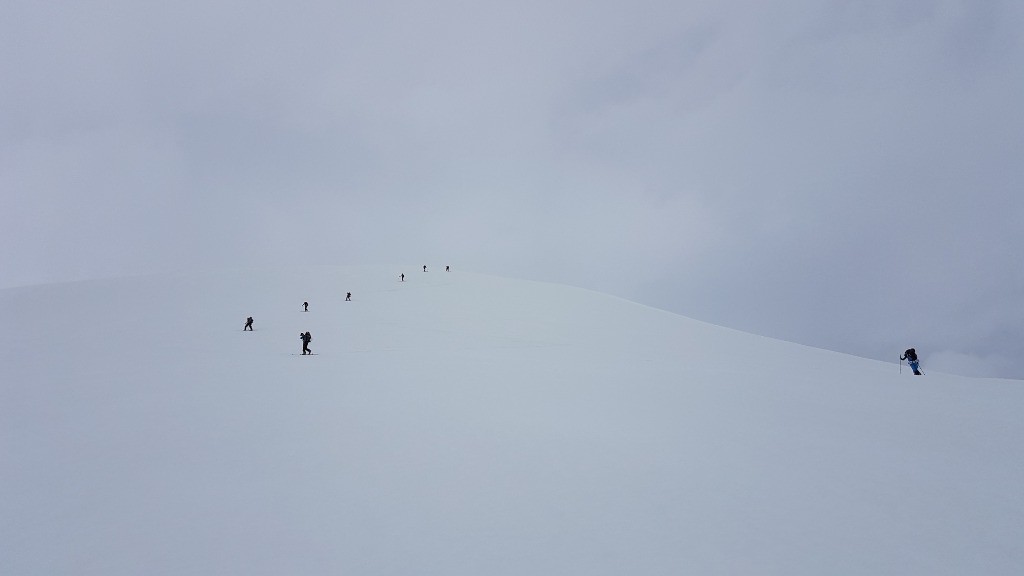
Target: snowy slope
465	424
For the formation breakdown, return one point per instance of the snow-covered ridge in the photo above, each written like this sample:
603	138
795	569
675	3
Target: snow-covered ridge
457	423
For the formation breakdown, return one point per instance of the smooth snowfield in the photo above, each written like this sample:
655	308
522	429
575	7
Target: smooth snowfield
461	424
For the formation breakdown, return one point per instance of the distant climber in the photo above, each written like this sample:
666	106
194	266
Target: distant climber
248	324
306	339
402	276
447	268
911	357
305	306
424	268
348	297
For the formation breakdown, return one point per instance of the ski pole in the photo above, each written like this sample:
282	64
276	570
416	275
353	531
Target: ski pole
901	366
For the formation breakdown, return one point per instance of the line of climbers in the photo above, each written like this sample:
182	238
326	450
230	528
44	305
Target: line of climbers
910	355
306	337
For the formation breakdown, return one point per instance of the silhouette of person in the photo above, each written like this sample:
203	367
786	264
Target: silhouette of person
447	268
424	268
348	297
911	357
305	306
306	338
248	324
402	277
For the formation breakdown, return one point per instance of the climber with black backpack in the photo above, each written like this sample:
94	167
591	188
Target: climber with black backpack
911	357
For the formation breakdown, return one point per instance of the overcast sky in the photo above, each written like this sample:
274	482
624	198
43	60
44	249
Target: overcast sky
844	174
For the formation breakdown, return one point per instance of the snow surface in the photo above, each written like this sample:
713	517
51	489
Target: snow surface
466	424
